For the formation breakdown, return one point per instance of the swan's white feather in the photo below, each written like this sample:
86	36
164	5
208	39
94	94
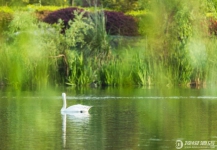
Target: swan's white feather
78	108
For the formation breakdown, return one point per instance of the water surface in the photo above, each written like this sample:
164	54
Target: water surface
121	118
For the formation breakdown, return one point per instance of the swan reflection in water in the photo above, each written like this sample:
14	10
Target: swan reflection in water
77	117
76	122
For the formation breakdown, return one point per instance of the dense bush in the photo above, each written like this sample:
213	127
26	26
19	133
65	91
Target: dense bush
117	23
65	15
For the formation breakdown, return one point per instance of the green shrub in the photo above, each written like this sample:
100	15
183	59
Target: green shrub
25	59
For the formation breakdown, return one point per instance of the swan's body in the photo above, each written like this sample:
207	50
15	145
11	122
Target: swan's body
75	108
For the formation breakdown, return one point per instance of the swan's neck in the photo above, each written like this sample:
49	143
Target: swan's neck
64	102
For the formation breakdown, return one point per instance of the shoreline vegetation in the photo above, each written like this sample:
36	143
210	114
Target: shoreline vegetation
175	46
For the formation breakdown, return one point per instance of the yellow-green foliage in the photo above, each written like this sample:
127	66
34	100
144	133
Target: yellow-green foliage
41	8
6	9
145	21
29	8
211	15
137	13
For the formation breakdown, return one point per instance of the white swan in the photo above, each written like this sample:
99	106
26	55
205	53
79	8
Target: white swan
75	108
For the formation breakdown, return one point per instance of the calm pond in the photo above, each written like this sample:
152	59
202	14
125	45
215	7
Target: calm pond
120	119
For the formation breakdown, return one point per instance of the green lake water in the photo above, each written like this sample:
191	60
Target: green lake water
120	119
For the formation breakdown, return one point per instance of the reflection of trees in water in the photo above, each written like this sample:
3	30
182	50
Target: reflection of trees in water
76	130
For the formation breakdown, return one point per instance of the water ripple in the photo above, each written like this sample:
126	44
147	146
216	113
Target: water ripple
140	97
114	97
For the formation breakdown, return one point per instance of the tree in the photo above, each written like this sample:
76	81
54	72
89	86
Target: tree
121	5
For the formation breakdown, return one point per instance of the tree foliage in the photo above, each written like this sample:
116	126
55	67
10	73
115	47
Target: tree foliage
121	5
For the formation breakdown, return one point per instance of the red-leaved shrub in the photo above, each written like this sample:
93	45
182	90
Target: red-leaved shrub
117	23
65	15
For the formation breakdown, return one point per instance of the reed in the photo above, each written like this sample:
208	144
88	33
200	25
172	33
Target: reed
115	73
